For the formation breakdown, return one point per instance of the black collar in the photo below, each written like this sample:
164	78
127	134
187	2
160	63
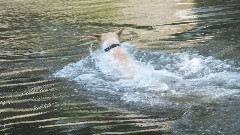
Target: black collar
111	47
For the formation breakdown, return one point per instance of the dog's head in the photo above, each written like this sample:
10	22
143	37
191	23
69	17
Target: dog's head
110	35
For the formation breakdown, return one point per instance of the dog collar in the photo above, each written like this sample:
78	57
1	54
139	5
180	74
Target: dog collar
111	47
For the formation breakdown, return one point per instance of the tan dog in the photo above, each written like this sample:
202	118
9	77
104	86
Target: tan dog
111	44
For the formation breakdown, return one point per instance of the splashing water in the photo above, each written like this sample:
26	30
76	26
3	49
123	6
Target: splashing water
157	76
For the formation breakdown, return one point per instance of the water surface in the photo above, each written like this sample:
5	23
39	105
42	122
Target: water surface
186	56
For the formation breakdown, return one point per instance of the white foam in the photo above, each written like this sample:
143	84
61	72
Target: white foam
156	75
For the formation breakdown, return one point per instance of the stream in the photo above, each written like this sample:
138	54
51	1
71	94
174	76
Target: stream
185	55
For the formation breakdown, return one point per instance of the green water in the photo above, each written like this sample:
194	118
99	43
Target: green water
37	38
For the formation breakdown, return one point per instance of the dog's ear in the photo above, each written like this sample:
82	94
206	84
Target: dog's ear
119	32
96	36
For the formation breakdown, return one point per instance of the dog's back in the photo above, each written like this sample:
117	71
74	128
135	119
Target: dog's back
111	42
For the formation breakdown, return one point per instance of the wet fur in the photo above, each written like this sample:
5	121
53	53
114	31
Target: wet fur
118	53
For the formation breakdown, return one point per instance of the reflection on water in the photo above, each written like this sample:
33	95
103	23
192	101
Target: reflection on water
217	31
39	38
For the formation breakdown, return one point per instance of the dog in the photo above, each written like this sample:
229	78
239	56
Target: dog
110	44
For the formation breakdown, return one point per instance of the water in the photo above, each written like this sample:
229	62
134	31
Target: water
185	55
157	76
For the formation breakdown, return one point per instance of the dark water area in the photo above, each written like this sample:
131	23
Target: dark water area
217	28
53	81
